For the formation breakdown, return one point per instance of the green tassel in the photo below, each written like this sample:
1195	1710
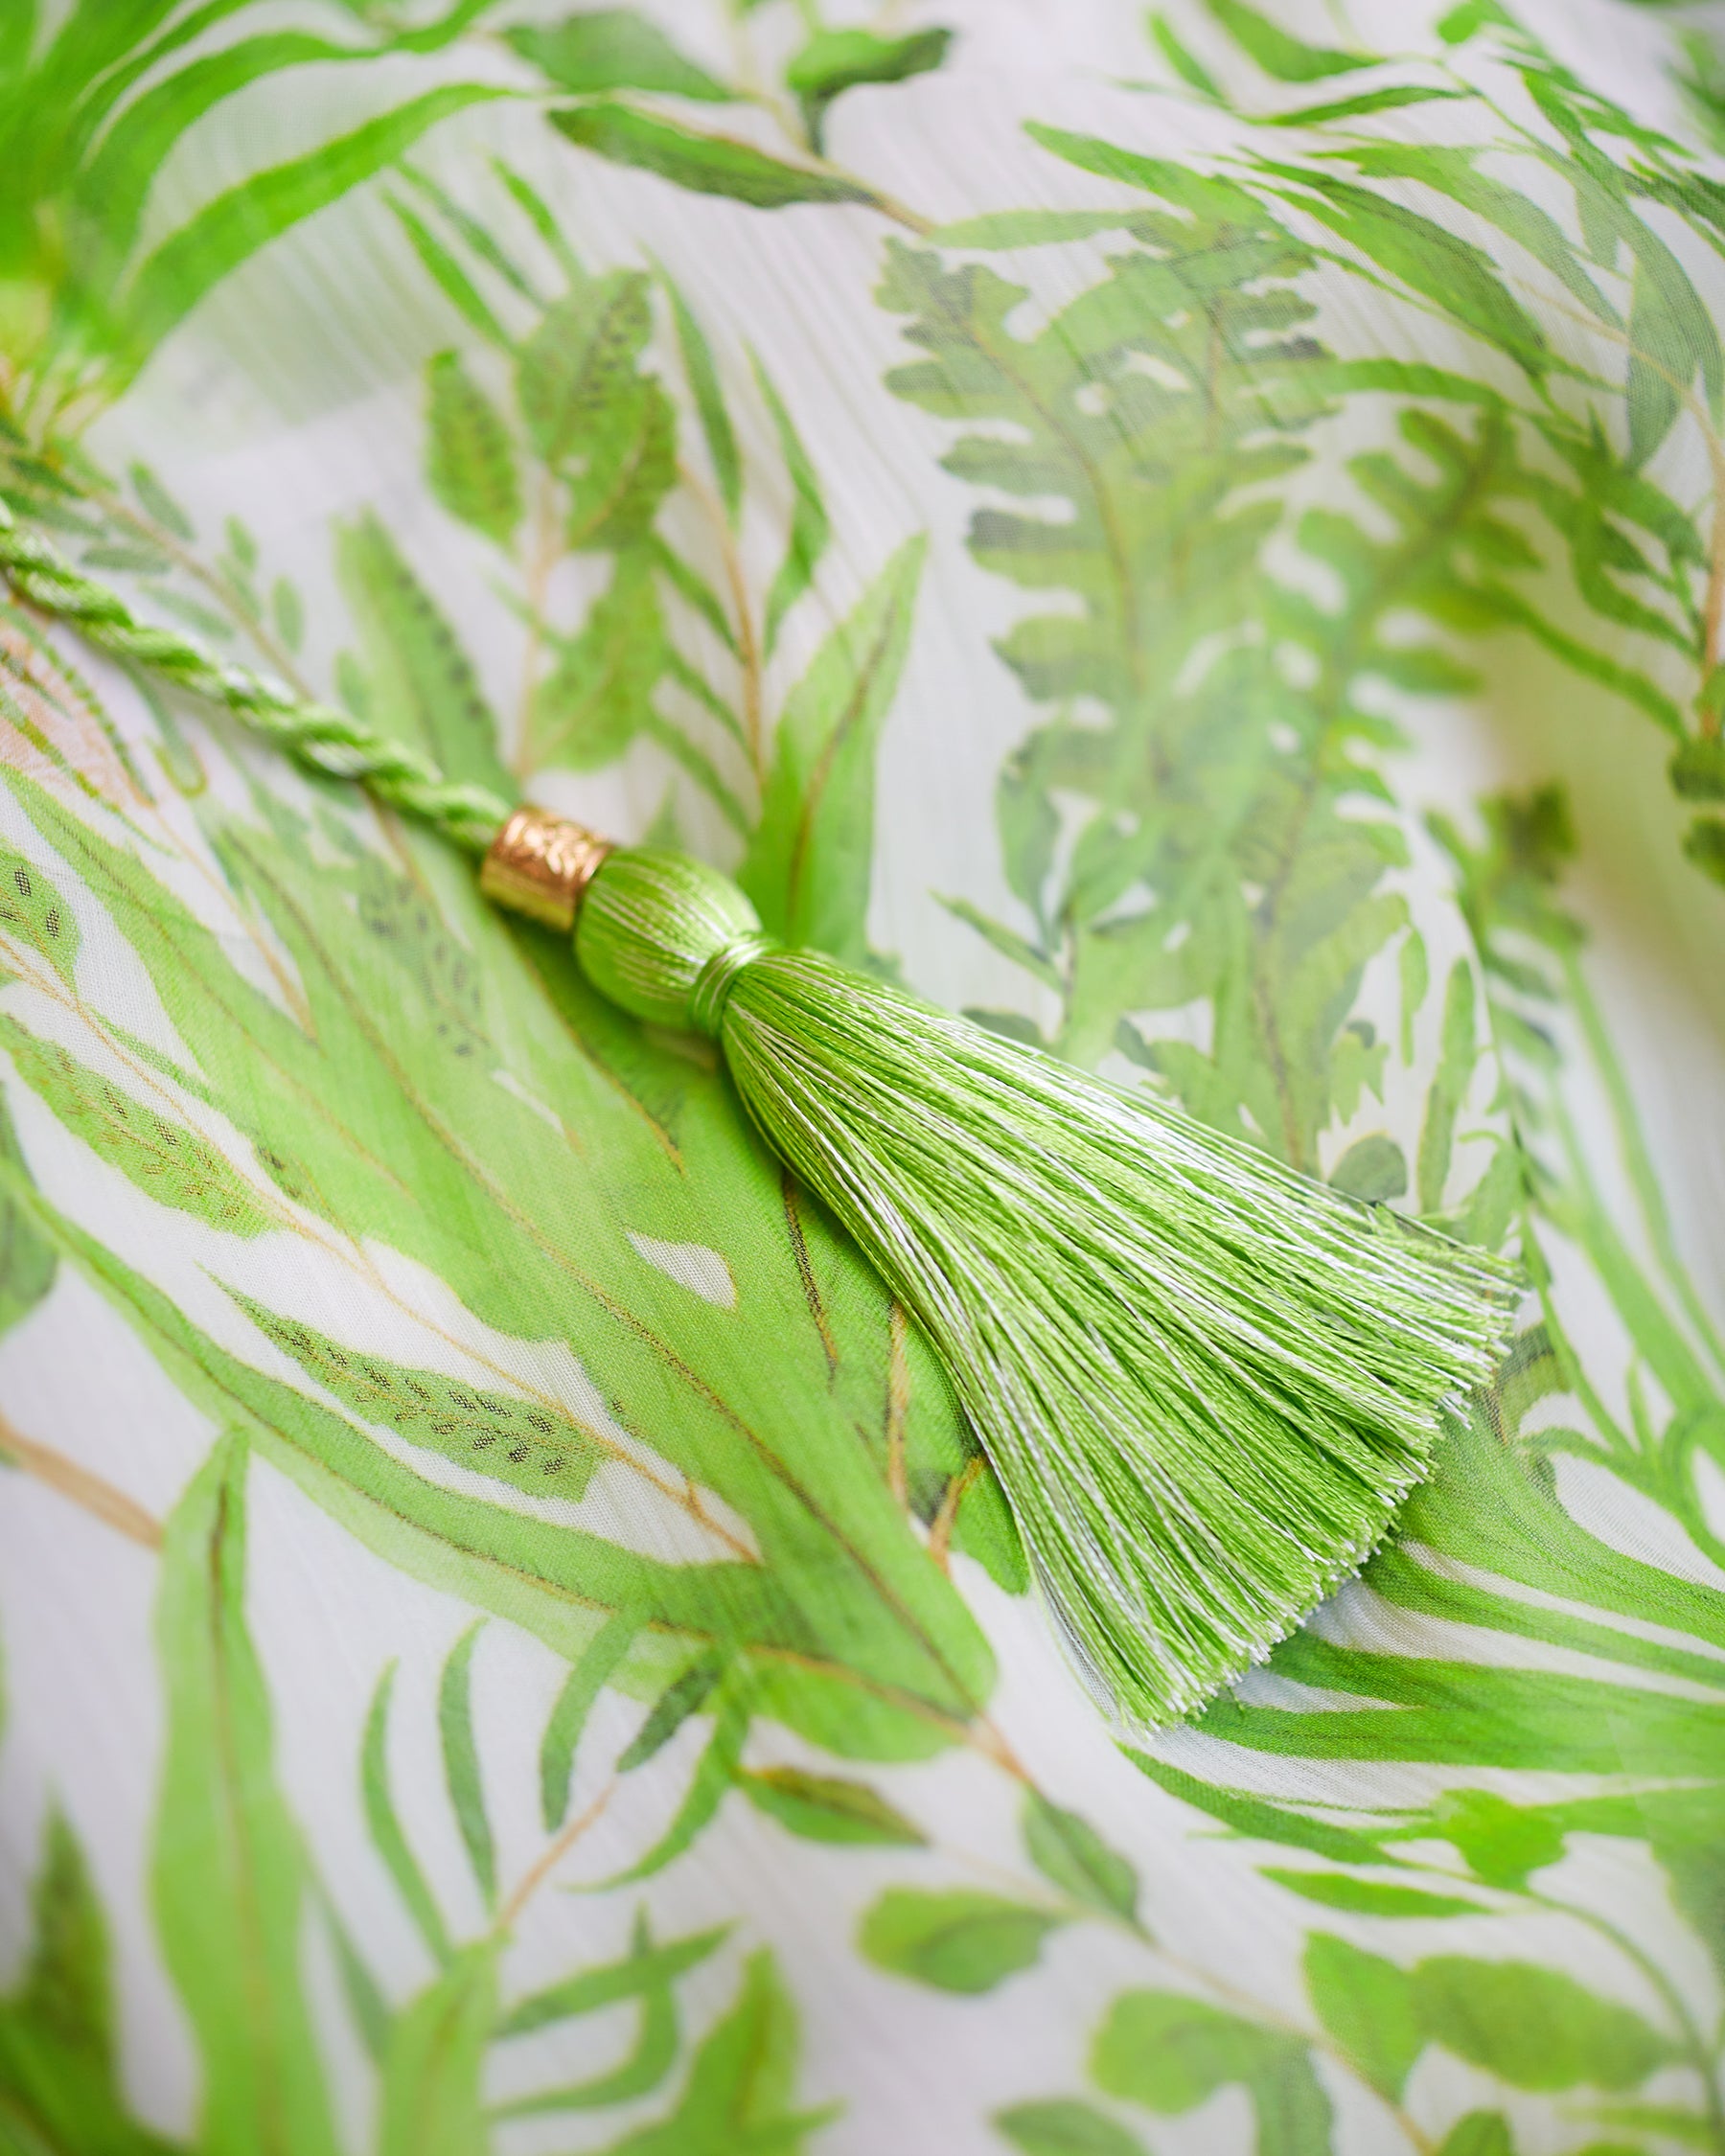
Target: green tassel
1206	1382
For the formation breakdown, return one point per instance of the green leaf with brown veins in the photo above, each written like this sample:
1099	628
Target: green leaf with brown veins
34	914
228	1874
420	685
59	2082
29	1263
1171	2053
534	1445
1286	59
165	1158
1072	1855
836	60
598	693
1533	2027
1063	2126
961	1942
812	861
585	350
469	458
856	1633
1368	2007
431	2103
194	260
810	525
824	1809
613	49
703	164
742	2083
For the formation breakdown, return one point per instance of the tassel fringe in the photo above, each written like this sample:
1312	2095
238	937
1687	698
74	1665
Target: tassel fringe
1206	1382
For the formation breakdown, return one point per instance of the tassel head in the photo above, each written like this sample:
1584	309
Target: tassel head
665	937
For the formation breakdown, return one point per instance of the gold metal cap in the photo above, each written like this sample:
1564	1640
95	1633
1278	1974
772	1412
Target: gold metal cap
540	864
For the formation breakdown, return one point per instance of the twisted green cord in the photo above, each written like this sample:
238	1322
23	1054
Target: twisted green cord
329	741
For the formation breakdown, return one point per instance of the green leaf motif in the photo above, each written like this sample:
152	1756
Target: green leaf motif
702	373
647	1976
810	526
836	60
1534	2027
1072	1855
1202	196
1370	1897
1457	1056
1181	58
686	1696
1673	339
111	187
960	1941
1257	1818
715	1776
167	1160
420	685
646	1967
131	561
1454	174
228	1876
158	504
382	1822
33	913
631	467
1278	53
1064	2126
1501	1843
469	458
1170	2053
1395	99
529	1444
741	2087
1697	769
59	2085
1368	2007
192	262
430	2103
447	274
582	354
703	164
29	1262
598	695
462	1773
1151	917
613	49
371	2011
607	428
1373	1169
1458	275
810	865
475	233
66	1987
431	1156
288	613
1479	2133
568	1718
824	1809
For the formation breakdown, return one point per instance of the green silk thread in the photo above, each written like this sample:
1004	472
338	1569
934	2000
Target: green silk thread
1205	1381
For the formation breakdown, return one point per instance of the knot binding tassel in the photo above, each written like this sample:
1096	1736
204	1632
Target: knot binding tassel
1206	1382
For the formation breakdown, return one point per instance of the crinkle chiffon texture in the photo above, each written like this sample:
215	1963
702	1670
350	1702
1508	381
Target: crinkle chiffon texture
1192	533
